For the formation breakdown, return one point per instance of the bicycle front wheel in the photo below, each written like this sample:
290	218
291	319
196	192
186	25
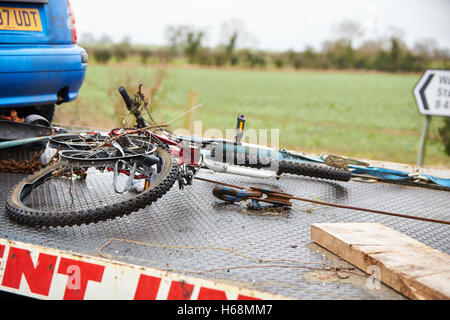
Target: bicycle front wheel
52	197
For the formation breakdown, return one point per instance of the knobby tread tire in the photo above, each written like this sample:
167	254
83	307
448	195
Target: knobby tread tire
37	218
290	167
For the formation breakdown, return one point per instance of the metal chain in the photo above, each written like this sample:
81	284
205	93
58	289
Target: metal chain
24	167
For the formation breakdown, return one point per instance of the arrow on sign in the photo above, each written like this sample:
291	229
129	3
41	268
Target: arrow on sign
432	93
422	91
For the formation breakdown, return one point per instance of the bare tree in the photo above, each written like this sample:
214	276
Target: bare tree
87	38
425	47
349	30
231	32
105	39
234	34
193	43
126	40
175	37
395	32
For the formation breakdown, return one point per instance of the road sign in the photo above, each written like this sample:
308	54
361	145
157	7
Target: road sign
432	93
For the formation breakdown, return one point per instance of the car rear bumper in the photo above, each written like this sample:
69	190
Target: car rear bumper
40	74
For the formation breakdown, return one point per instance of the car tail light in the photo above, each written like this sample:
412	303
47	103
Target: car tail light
72	17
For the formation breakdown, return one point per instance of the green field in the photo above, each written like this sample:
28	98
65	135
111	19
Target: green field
369	115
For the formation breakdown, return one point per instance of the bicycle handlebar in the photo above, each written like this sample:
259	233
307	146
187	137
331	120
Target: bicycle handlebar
140	121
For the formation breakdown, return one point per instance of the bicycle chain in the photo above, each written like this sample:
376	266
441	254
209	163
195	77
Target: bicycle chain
24	166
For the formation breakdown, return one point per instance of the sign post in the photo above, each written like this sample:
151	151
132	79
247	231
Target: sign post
432	94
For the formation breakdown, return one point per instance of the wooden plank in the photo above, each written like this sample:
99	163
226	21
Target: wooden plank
405	264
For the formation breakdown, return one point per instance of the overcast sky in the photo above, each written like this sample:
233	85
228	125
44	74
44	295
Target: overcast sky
273	25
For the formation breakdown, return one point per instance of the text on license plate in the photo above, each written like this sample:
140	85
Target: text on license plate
20	19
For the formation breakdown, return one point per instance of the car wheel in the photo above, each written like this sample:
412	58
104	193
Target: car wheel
47	111
37	119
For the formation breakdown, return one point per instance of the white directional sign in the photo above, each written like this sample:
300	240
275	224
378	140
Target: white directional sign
432	93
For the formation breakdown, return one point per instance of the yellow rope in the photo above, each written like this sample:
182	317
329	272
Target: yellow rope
206	248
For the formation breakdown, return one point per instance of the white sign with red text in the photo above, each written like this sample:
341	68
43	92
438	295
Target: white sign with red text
46	273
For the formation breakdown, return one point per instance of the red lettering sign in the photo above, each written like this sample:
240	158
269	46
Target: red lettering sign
242	297
38	278
2	250
180	291
211	294
147	288
87	272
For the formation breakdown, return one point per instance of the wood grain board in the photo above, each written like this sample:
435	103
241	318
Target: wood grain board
405	264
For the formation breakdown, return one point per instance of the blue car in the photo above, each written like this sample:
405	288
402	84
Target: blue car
40	63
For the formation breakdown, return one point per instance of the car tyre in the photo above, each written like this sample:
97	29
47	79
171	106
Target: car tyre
47	111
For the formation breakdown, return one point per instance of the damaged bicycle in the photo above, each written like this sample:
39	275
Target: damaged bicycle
96	176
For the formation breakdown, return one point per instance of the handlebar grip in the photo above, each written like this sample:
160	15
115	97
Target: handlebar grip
126	97
129	103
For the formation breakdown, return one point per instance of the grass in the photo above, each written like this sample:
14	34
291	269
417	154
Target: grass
369	115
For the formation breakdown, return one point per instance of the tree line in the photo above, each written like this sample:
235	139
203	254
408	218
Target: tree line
188	44
387	54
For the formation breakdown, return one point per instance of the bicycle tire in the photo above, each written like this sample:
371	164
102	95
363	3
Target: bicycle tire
68	141
289	167
21	213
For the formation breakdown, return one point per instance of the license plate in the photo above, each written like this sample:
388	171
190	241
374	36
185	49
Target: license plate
20	19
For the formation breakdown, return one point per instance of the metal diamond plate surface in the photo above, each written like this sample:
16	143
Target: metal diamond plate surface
193	233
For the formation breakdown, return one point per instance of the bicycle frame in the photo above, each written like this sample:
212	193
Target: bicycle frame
228	147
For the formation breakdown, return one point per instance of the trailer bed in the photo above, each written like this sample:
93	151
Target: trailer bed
190	236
